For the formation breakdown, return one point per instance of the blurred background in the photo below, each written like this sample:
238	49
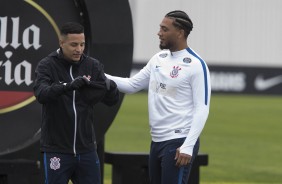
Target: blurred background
226	32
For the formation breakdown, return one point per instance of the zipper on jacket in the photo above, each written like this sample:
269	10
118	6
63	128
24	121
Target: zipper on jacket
75	116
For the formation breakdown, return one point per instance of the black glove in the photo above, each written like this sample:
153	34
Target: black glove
76	83
110	84
94	92
112	95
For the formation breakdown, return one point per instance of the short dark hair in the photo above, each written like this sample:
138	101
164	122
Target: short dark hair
181	20
72	28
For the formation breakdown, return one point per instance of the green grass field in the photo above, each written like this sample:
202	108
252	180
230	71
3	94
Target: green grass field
242	137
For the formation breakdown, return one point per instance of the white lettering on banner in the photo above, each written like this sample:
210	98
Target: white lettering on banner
228	81
31	30
18	71
27	71
3	32
15	41
8	69
36	34
21	72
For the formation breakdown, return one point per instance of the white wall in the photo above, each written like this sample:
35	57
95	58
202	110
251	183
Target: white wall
226	32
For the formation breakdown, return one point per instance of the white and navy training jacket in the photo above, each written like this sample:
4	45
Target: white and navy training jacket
179	95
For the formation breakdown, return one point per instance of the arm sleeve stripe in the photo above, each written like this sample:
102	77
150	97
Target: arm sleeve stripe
205	73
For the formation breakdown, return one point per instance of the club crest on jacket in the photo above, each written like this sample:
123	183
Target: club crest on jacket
175	71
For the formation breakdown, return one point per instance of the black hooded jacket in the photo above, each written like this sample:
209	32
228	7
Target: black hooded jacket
67	116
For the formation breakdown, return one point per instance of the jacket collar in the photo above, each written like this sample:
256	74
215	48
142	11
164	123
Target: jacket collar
60	55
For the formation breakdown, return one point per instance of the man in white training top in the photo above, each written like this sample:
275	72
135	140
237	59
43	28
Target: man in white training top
179	90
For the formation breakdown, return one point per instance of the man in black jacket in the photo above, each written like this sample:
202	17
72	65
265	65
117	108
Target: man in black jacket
68	84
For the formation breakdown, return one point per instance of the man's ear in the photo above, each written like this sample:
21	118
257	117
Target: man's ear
181	33
60	42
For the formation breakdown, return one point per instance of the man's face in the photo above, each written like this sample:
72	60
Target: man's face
73	46
168	34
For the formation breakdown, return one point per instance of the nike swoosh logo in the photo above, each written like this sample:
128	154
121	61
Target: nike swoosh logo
262	84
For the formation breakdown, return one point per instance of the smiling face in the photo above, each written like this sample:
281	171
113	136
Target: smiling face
169	35
72	46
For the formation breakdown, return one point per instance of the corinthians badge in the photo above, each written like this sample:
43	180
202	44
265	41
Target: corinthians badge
174	72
